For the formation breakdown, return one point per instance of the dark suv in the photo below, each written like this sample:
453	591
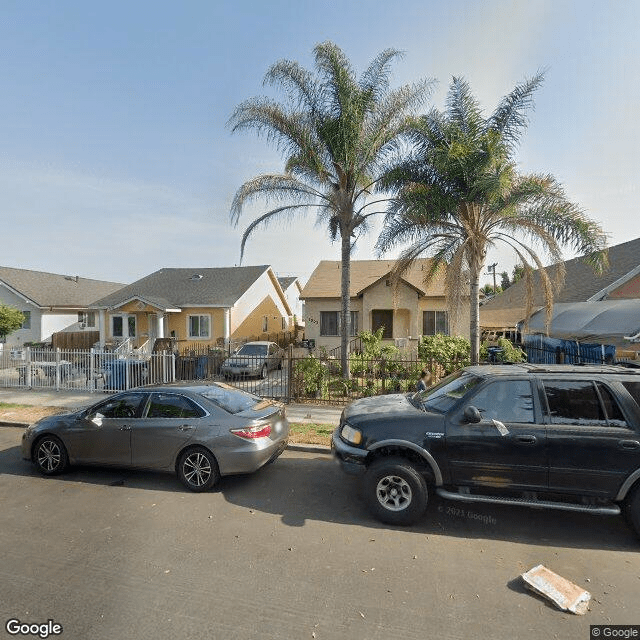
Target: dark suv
552	436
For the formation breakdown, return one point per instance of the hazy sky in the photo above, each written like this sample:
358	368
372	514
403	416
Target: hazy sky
115	159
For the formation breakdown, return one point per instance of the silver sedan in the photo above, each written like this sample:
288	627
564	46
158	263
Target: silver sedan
198	432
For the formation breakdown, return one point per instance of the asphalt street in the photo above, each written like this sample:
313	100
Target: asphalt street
289	552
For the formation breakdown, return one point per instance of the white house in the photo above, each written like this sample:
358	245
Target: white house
50	302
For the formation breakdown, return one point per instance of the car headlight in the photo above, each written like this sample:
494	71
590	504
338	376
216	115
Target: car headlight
354	436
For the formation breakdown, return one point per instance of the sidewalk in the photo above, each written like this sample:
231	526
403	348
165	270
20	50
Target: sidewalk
71	400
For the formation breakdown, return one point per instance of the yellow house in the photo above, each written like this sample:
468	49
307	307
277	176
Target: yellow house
197	308
406	312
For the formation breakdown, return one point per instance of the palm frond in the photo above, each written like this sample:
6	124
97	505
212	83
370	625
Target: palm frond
265	219
463	108
509	118
300	83
272	187
374	82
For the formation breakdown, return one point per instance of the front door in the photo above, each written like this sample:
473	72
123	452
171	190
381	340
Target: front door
152	321
507	448
382	318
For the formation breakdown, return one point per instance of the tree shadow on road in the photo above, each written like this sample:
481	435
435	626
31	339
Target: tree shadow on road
302	487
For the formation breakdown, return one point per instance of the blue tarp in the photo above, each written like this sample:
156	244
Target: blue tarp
543	349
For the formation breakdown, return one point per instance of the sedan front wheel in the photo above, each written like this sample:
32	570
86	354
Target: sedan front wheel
395	492
198	469
50	456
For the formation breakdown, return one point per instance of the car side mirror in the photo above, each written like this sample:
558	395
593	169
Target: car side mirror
471	414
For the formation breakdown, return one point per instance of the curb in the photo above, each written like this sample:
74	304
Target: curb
310	448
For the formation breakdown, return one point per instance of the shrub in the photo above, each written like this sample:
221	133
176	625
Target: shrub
310	376
446	353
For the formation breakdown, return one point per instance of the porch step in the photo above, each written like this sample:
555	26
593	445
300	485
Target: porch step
605	510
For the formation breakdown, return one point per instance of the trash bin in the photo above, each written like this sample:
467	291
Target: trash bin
116	373
201	367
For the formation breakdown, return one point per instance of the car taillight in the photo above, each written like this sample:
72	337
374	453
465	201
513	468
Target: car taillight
259	431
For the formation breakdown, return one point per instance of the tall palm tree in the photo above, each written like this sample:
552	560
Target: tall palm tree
459	193
336	133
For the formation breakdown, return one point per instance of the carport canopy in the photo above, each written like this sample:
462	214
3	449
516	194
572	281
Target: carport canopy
590	321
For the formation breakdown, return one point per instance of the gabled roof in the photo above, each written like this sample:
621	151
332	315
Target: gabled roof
286	282
171	288
53	290
580	284
325	280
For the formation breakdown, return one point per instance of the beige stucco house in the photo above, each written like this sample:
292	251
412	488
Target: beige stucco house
196	307
406	312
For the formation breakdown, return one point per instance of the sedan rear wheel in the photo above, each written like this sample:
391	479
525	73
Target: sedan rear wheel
50	456
198	469
395	492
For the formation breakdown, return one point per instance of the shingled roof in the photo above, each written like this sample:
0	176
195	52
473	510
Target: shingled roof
286	281
53	290
581	284
325	280
171	288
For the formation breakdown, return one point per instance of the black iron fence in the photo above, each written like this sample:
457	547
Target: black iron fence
308	378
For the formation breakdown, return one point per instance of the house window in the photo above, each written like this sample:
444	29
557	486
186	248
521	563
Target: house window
285	323
199	326
330	323
382	318
434	322
26	324
123	326
88	318
265	324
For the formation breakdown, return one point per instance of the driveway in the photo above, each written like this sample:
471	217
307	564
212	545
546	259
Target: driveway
289	552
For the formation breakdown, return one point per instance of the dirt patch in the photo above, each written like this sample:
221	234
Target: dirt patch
25	414
310	433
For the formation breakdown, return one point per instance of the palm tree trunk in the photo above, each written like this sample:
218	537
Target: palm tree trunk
345	315
474	314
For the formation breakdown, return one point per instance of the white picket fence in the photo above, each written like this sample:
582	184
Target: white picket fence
83	370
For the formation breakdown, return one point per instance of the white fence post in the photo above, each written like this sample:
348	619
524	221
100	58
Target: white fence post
58	369
27	371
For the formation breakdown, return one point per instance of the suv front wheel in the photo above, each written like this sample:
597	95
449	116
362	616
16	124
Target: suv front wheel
395	492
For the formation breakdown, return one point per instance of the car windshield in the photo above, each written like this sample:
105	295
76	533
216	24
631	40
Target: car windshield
444	395
253	350
228	398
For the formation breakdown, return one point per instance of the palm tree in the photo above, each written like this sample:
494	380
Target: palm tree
459	193
336	133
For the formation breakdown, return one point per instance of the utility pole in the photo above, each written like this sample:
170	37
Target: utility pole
492	269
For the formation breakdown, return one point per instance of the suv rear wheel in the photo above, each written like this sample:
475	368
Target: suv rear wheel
395	492
632	509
